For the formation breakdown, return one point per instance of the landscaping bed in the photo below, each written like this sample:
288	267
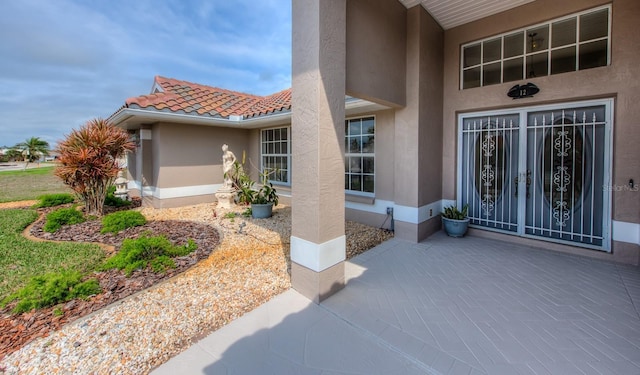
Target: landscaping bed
18	329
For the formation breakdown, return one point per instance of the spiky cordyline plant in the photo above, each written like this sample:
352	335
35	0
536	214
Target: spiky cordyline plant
89	161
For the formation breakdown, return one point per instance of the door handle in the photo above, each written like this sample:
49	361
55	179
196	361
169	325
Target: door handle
528	180
527	177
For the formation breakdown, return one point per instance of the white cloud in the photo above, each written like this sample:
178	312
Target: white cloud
68	61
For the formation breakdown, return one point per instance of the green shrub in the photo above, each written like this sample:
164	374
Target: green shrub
51	289
51	200
180	251
63	216
162	263
121	220
112	200
144	251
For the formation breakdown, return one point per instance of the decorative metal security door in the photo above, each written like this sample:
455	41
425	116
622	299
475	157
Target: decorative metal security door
540	172
490	149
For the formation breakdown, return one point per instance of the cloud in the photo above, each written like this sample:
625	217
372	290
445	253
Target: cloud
68	61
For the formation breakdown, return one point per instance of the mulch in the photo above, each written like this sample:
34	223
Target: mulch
18	329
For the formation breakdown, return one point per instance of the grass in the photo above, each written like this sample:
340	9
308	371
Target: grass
21	259
29	184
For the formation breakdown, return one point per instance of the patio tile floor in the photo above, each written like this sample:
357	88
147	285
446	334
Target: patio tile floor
443	306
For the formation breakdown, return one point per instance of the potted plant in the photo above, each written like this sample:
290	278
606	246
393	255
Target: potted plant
261	200
454	221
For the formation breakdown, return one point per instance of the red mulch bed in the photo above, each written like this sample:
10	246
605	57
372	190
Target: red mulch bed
18	330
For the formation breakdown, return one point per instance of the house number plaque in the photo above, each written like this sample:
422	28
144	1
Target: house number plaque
527	90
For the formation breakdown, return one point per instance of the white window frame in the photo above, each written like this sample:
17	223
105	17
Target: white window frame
526	54
287	155
361	154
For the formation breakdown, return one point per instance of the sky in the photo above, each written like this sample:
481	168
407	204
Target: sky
65	62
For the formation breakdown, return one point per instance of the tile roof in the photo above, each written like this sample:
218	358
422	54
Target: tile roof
172	95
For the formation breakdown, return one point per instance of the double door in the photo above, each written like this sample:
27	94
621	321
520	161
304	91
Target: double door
539	172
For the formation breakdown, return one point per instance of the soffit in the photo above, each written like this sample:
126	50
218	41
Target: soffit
452	13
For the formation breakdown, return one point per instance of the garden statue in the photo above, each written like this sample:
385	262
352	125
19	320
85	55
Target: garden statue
228	158
226	194
121	187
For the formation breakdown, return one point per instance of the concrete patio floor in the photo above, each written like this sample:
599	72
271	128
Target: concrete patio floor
443	306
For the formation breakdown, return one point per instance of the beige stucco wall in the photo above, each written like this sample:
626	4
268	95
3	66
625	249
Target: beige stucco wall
132	168
418	125
148	169
376	40
384	154
618	80
253	153
394	52
431	44
191	155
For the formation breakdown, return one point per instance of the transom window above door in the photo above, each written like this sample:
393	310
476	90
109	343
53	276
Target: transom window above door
576	42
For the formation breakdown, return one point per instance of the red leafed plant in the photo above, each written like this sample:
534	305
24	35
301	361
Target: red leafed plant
89	161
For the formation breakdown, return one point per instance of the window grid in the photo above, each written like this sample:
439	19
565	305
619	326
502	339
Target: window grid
360	155
275	146
547	51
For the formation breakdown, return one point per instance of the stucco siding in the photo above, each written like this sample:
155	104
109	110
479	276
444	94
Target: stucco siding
132	168
418	126
376	42
191	155
384	152
253	154
431	84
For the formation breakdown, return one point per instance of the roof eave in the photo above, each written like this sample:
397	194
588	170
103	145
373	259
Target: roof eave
132	118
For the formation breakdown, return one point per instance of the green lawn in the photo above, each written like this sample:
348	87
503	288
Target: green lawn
29	184
21	259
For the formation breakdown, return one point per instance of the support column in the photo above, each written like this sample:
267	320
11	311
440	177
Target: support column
318	67
418	131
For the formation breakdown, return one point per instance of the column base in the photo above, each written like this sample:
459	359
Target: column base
417	232
317	286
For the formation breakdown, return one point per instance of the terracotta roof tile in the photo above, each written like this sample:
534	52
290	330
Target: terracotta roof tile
279	101
201	100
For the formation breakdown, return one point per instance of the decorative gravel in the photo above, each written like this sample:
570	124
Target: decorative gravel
138	333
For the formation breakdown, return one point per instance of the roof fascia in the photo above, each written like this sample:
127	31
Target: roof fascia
145	116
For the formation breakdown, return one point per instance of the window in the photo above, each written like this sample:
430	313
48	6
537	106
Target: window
577	42
359	160
276	152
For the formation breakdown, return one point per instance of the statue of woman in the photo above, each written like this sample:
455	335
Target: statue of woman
228	159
